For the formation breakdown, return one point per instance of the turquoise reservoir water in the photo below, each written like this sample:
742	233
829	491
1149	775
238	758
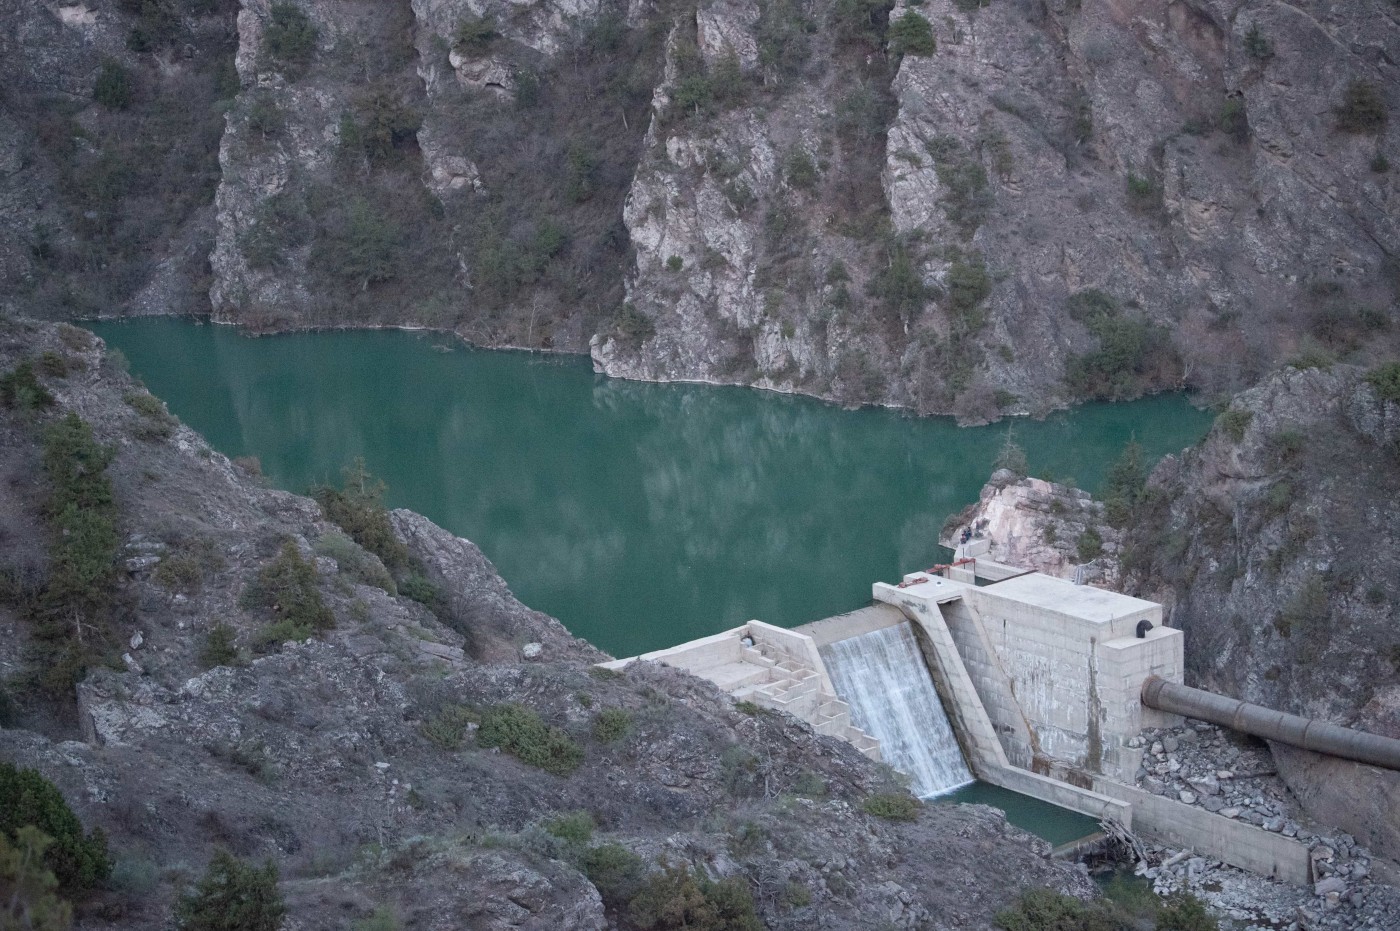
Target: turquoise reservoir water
640	515
1054	824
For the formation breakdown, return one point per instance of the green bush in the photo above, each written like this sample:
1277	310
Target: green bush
632	327
289	40
21	391
113	87
448	728
1257	45
1125	485
611	724
968	287
82	517
232	896
383	919
57	365
156	422
358	245
1185	912
290	588
1089	545
1386	380
357	507
1144	194
1234	422
382	128
675	263
474	34
1130	351
28	902
423	591
521	733
911	34
355	561
1048	910
899	285
184	571
1362	109
220	647
894	806
78	860
860	22
674	898
614	870
582	174
575	827
800	170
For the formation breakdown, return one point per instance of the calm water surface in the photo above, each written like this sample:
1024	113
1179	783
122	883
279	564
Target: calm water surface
640	515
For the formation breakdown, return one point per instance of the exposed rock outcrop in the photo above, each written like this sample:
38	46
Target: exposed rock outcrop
1040	525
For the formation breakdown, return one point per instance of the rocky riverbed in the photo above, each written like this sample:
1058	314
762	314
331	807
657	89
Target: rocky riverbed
1234	776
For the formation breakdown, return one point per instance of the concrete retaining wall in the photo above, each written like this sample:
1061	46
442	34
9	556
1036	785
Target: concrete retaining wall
1093	804
1234	842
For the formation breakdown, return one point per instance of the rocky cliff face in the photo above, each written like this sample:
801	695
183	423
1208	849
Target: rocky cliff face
352	759
1041	525
1273	545
962	207
1061	181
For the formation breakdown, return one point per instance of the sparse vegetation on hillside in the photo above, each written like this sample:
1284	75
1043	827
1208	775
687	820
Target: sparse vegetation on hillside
674	898
1362	109
70	618
289	588
357	506
77	859
232	896
1133	355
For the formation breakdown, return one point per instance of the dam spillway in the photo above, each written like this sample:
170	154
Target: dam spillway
882	676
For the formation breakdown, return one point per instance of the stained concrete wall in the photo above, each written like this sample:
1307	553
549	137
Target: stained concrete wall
1058	667
991	682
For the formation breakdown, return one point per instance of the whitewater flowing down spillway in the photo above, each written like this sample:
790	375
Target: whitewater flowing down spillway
882	676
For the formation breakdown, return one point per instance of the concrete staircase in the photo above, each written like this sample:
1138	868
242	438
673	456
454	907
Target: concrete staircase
776	679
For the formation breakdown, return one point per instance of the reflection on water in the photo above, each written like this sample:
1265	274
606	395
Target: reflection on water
640	515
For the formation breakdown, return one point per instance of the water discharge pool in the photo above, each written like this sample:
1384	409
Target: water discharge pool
640	515
1050	822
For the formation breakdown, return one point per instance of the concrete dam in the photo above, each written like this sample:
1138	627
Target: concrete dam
1025	681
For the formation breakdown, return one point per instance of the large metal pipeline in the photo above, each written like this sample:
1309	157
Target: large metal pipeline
1290	729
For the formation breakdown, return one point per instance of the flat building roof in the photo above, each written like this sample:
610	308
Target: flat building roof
1064	597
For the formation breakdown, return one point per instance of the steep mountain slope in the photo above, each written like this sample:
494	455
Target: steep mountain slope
954	206
1276	543
388	760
